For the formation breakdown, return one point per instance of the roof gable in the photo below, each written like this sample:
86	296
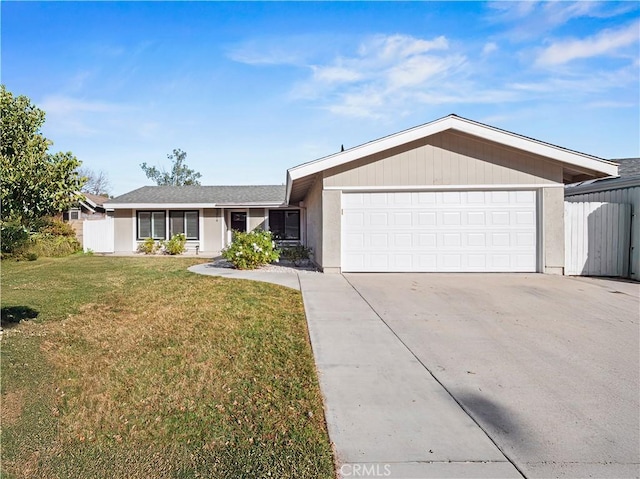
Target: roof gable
568	157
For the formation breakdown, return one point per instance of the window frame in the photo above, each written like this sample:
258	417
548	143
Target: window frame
183	213
151	224
284	212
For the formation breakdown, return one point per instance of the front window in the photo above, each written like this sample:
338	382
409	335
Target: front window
185	222
151	224
285	224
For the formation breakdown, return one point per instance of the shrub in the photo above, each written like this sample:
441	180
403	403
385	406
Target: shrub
149	246
176	245
251	250
297	253
56	227
49	237
13	236
49	246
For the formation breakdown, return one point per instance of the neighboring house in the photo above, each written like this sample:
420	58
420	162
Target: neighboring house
207	215
628	166
624	189
450	195
87	209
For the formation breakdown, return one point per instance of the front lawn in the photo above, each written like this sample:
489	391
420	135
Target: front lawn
136	368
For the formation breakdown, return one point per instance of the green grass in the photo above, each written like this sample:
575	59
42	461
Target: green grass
134	367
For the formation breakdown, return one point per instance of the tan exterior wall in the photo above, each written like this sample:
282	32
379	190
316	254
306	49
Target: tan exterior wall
313	204
552	216
331	230
447	158
256	219
123	231
213	224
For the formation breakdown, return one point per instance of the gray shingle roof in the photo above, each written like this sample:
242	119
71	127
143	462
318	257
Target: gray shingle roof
628	166
235	195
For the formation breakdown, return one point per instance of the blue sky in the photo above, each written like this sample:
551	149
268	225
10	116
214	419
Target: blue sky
251	89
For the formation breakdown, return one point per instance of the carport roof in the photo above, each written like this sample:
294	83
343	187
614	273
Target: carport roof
578	165
197	196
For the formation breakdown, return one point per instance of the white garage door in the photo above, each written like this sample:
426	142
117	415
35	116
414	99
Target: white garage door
439	231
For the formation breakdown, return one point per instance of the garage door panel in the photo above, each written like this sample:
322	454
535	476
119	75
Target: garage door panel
451	240
354	218
440	231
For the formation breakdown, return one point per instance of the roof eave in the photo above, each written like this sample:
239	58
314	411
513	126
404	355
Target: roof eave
452	122
169	206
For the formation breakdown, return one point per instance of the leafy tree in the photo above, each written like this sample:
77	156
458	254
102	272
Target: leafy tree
179	175
34	183
97	183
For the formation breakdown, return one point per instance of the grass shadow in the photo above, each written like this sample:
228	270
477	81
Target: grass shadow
12	315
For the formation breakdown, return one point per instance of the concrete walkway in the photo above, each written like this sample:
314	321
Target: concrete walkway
387	416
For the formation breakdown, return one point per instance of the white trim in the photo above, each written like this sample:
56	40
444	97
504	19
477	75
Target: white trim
303	226
540	211
262	204
452	122
246	224
445	187
135	230
201	228
187	206
223	228
466	126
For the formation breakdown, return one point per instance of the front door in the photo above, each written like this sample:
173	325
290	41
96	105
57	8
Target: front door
239	221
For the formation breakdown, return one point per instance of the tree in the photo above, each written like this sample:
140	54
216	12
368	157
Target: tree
179	175
34	183
97	183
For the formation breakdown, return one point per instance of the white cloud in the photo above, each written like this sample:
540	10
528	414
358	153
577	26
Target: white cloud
530	19
60	104
67	115
335	74
606	42
254	56
384	72
391	47
489	48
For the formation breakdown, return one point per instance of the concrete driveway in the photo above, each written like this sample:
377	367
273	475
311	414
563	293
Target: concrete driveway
548	367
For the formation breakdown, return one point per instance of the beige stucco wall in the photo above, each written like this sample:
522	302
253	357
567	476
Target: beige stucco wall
123	231
313	205
256	218
552	216
447	158
213	224
331	230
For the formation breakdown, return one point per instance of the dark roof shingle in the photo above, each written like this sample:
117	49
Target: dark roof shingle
235	195
628	166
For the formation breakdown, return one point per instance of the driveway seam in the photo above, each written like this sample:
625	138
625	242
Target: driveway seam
435	378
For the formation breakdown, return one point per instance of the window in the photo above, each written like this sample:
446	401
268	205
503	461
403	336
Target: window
151	224
74	214
185	222
285	224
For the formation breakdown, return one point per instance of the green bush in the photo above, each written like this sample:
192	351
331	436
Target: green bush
296	253
13	236
149	246
49	246
49	237
176	245
56	227
251	250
